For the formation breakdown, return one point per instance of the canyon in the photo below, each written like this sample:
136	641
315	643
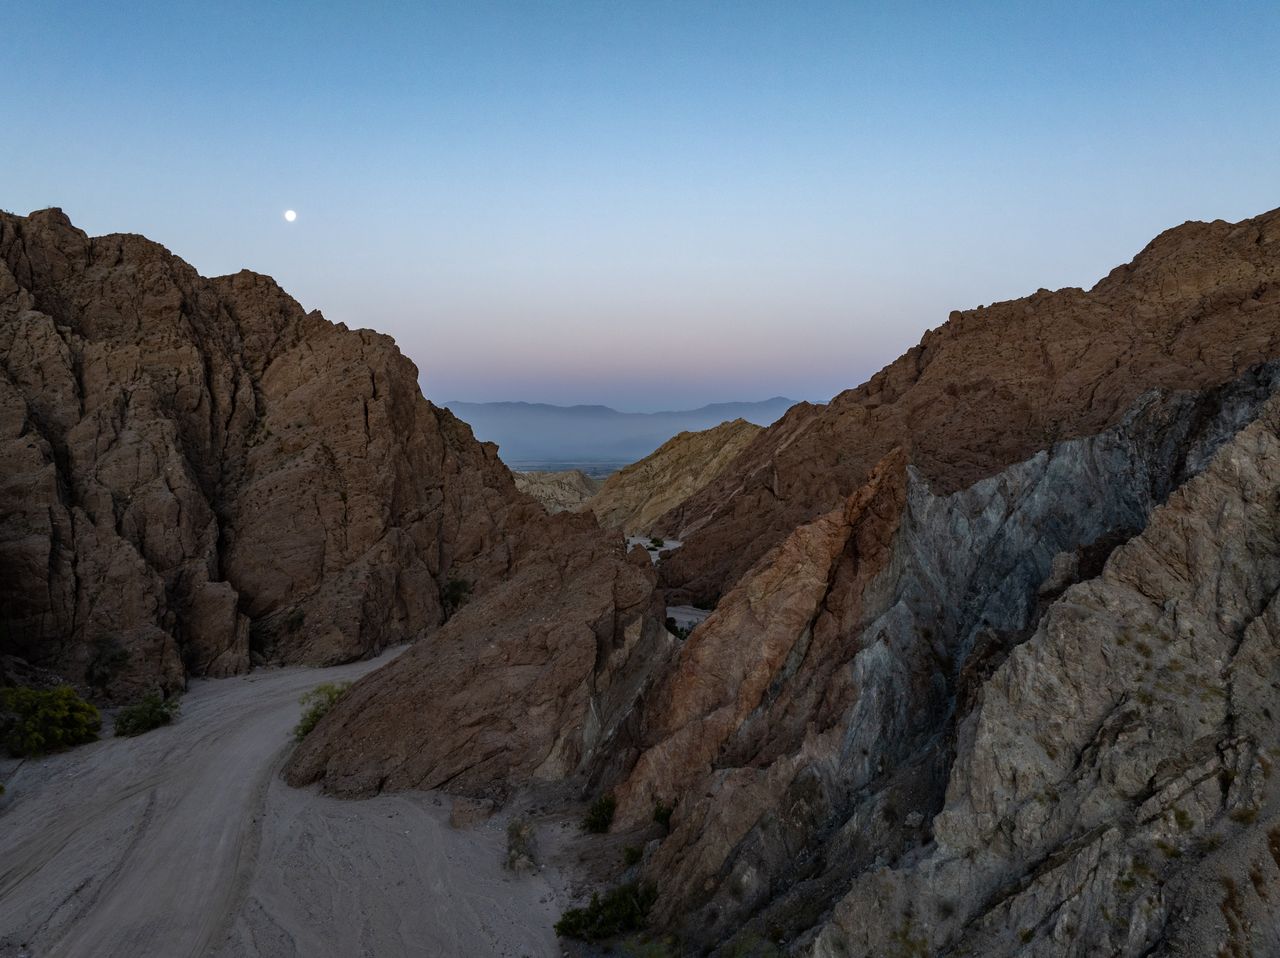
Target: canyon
990	666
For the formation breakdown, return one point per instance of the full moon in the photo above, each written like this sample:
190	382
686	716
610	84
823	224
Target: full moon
290	215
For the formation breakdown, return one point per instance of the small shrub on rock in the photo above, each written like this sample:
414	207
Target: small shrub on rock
600	815
316	704
152	712
521	852
35	721
621	911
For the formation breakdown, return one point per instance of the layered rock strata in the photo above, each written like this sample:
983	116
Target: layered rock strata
564	491
992	386
633	498
823	729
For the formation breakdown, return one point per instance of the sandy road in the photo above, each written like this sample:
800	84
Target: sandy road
185	842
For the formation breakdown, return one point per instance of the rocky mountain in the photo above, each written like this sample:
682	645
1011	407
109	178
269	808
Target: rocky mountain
994	385
528	684
1024	717
563	491
541	433
994	665
199	474
1001	677
633	498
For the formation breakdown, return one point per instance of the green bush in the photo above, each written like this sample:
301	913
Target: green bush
631	855
600	815
316	705
522	854
152	712
35	721
624	909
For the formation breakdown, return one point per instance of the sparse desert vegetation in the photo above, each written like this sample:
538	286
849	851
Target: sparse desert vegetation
36	721
316	705
150	713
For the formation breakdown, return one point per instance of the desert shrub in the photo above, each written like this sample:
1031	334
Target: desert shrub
631	855
36	721
108	658
677	630
152	712
316	705
662	814
521	851
643	947
600	815
656	543
454	595
623	910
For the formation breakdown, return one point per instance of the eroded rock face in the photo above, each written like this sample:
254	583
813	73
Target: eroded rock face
992	386
805	732
1113	788
558	491
528	683
196	471
634	498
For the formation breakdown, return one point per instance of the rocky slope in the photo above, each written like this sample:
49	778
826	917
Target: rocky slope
198	473
633	498
558	491
529	683
909	731
994	385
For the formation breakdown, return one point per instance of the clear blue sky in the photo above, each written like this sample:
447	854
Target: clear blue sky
645	204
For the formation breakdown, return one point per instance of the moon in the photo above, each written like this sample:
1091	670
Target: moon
290	215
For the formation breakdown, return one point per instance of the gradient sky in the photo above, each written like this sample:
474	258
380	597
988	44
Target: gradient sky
647	204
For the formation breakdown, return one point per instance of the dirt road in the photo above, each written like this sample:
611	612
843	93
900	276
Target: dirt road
185	842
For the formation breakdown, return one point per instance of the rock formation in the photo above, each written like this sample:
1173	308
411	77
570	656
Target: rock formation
994	385
633	498
197	472
558	491
908	710
529	683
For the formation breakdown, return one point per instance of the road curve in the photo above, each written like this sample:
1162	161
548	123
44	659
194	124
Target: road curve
185	842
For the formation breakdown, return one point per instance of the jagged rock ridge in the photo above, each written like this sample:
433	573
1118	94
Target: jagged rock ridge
197	472
992	386
806	730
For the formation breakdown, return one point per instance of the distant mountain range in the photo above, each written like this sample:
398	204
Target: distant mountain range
532	434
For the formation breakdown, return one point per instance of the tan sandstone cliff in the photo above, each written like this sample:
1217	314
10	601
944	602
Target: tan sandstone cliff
633	498
562	491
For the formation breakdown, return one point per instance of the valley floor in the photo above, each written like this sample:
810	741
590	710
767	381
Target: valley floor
186	842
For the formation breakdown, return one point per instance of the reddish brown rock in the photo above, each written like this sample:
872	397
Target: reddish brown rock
197	471
527	683
995	384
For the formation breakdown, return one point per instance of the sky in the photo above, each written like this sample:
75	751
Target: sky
649	205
